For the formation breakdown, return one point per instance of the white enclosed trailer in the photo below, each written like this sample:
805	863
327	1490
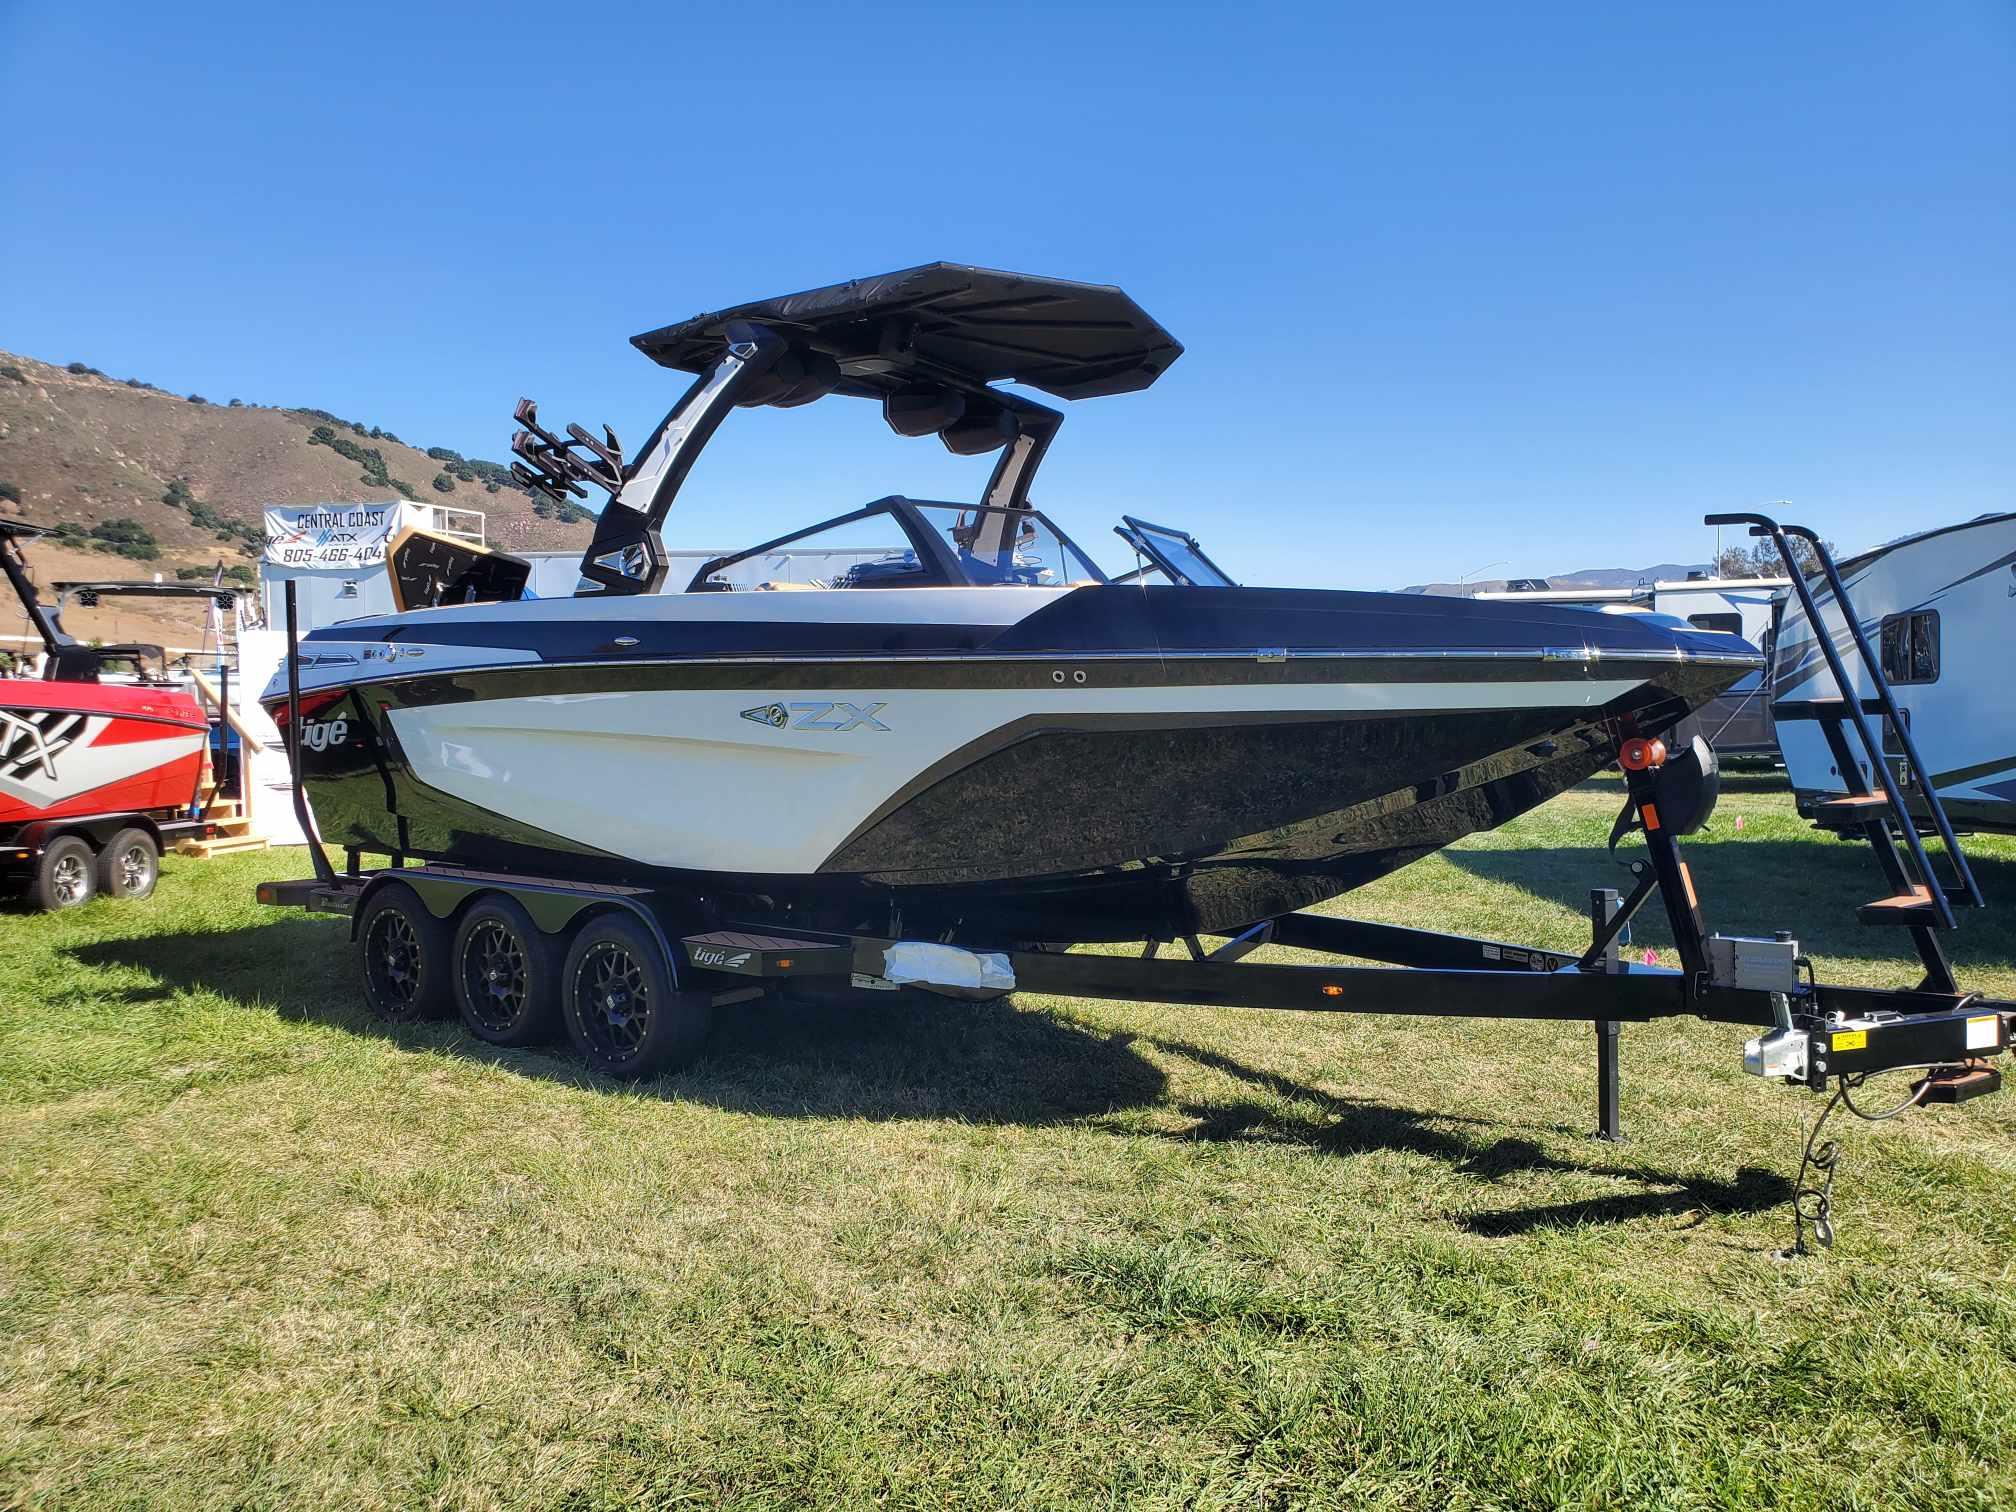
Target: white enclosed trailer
1738	723
1940	609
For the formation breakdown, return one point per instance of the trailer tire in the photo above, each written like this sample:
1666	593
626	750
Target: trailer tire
129	866
506	974
624	1011
402	956
66	875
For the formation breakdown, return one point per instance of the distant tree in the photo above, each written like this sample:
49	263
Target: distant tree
12	373
198	399
443	483
136	383
1735	562
237	404
10	493
82	369
1767	563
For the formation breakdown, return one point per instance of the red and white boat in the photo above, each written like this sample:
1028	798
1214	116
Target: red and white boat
94	775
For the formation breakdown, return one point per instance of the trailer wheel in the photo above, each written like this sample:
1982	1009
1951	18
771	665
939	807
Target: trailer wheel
507	974
624	1013
66	875
129	866
402	954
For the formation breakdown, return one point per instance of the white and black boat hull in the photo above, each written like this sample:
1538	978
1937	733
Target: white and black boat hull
950	768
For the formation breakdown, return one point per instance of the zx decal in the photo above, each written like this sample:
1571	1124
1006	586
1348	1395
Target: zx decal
818	716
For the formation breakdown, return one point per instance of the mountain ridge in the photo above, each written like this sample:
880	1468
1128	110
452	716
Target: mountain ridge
1587	577
127	470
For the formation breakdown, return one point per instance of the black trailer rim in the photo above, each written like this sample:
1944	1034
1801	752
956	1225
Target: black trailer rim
495	975
135	867
613	999
70	879
393	959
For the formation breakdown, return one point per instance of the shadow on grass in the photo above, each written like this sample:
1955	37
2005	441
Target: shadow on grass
877	1056
1343	1126
1754	886
844	1054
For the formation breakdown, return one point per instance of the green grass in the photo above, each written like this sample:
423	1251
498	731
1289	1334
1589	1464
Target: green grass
256	1250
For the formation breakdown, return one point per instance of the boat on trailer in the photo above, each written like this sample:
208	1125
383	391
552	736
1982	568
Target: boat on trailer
628	810
102	756
980	734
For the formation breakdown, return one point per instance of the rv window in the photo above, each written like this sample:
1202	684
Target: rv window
1728	624
1911	647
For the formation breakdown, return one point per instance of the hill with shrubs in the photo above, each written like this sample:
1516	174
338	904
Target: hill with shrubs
150	481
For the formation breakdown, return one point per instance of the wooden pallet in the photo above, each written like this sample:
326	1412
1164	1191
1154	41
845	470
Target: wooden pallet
220	845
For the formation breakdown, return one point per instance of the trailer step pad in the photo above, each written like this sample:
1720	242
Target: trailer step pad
765	955
1914	907
1851	812
1955	1084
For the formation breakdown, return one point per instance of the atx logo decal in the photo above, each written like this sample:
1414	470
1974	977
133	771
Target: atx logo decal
818	716
30	738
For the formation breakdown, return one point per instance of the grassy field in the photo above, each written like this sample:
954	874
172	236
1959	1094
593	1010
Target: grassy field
255	1250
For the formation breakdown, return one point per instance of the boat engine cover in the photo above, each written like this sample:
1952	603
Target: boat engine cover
1687	787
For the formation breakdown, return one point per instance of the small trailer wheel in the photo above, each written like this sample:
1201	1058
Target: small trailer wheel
402	954
507	974
129	866
65	876
624	1013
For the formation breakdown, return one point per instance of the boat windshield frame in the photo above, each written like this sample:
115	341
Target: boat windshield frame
938	564
1192	569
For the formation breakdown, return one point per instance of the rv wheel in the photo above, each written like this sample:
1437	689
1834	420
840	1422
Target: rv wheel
129	866
402	951
507	974
65	876
624	1012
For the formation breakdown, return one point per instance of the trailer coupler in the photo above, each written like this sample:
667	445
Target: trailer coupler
1953	1049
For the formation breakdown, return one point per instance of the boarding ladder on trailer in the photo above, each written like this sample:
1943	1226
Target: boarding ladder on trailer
1920	899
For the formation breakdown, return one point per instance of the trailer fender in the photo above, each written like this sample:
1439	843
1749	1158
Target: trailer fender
557	908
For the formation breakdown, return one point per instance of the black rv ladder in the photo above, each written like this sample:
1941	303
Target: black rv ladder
1920	899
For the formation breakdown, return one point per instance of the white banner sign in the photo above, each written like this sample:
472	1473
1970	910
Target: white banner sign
338	537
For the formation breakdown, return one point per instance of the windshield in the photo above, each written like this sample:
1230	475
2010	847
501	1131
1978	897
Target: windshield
1175	553
1008	547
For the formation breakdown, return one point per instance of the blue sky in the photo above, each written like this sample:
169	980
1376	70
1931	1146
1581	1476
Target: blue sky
1459	283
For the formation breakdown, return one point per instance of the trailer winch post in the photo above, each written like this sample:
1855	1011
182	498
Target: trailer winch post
324	872
1604	906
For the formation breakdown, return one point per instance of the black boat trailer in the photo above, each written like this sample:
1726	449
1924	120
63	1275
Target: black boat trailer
1814	1034
619	940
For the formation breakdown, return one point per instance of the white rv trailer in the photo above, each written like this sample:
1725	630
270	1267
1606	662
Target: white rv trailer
1738	723
1940	609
